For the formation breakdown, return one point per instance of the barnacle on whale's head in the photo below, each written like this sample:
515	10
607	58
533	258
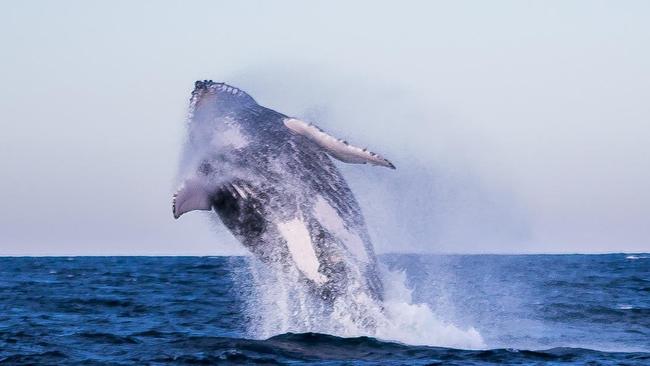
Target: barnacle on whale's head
211	95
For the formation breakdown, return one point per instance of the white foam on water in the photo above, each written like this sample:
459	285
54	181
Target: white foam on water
634	257
282	303
417	324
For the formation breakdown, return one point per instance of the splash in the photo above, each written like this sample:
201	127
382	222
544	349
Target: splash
277	303
279	193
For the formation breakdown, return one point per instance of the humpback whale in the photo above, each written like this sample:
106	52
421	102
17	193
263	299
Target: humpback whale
271	181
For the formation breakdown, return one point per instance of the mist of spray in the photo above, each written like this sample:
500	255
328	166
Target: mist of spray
440	198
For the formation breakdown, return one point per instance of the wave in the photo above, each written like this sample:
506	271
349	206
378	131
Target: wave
303	348
634	257
317	347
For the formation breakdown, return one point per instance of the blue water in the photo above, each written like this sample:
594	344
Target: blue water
531	309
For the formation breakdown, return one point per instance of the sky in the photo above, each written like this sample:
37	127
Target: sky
516	126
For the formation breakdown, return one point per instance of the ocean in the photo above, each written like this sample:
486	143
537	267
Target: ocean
444	310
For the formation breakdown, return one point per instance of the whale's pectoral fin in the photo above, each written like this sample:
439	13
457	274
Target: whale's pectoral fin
191	196
336	148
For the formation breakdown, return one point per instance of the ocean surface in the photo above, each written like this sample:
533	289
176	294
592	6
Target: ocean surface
524	309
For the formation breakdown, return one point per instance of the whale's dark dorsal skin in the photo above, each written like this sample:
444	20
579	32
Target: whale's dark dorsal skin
272	183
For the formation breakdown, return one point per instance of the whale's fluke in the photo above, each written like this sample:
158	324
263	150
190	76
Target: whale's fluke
192	195
336	148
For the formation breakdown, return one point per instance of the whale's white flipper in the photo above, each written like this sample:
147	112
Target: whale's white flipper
337	148
192	195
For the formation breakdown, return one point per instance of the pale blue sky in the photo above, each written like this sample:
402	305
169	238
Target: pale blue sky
516	126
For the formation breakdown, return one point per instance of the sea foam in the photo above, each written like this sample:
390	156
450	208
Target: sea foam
280	302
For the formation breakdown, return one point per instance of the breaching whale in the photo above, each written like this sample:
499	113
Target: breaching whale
270	180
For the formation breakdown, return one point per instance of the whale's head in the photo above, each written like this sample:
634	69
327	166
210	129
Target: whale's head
221	133
217	116
223	140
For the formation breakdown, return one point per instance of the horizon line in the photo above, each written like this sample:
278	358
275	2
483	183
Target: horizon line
379	255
